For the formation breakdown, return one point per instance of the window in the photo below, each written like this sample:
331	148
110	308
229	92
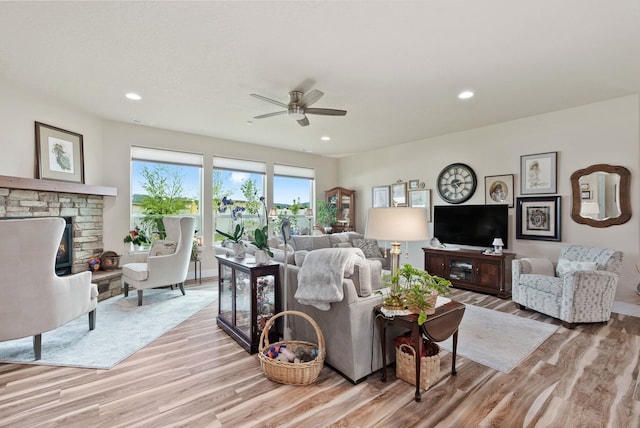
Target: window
164	182
293	195
238	186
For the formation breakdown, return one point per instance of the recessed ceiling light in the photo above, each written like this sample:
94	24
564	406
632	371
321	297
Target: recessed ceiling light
465	95
133	96
325	138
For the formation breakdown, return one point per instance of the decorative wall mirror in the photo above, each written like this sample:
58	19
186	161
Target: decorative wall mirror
601	195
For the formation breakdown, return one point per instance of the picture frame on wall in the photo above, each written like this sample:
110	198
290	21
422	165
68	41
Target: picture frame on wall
585	194
538	173
498	190
399	194
421	199
380	196
538	218
414	184
59	154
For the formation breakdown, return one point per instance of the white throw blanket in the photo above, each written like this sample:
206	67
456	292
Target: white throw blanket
320	277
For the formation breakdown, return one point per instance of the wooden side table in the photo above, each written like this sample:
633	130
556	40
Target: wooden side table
438	327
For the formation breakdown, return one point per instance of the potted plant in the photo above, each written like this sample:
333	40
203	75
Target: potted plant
236	238
325	214
136	237
260	241
421	290
394	301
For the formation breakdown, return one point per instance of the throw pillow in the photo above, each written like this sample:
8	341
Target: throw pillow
162	247
565	266
368	246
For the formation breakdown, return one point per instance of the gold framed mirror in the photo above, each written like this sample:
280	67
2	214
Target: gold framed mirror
601	195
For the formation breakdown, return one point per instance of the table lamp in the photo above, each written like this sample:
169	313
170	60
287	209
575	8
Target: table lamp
397	224
497	245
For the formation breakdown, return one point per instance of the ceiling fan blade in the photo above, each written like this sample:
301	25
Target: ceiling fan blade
269	100
325	111
263	116
304	122
310	98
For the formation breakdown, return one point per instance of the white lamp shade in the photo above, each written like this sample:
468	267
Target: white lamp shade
397	224
498	242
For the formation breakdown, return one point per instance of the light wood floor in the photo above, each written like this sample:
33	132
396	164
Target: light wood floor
196	376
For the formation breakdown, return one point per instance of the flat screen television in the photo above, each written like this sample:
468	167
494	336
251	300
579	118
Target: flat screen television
472	225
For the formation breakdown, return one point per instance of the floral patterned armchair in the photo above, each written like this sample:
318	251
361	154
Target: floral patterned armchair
580	289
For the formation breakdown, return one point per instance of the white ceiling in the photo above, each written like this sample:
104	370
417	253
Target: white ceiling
395	66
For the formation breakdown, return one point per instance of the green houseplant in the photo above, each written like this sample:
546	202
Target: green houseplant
421	290
236	238
260	241
325	213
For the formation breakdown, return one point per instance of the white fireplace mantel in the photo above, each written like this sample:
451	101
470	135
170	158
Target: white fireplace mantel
55	186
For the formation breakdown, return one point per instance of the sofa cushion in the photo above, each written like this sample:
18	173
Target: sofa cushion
299	256
162	247
368	246
278	255
337	239
565	266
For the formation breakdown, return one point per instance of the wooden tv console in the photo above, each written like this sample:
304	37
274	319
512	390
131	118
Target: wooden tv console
472	270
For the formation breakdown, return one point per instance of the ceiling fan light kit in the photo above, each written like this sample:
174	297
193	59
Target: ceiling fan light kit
298	107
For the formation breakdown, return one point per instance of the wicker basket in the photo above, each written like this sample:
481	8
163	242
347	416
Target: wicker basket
406	366
291	373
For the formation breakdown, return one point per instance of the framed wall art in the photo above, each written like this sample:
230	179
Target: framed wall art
538	173
59	154
414	184
399	194
498	190
538	218
421	199
380	196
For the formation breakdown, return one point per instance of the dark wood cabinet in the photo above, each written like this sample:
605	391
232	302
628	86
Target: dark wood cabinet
345	202
472	270
248	295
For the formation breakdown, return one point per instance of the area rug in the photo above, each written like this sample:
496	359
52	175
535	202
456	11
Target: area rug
122	328
497	339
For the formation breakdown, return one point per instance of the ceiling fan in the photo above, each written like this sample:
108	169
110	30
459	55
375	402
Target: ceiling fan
298	106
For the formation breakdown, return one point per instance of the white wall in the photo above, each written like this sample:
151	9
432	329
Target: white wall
20	108
605	132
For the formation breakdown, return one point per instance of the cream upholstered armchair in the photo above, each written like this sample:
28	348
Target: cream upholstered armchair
580	289
168	260
33	299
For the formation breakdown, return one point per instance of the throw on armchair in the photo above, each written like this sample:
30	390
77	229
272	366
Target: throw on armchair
33	299
168	261
580	289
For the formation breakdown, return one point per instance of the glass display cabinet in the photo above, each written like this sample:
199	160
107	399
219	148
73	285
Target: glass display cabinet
344	201
248	295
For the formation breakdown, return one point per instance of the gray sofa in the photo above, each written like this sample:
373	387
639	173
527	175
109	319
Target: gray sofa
351	336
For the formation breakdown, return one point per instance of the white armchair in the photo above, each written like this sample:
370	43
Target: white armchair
167	269
580	289
33	299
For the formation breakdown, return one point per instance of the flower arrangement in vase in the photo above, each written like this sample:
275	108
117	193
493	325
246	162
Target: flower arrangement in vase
136	237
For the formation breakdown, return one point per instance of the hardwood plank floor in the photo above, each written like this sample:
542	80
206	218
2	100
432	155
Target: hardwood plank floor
197	376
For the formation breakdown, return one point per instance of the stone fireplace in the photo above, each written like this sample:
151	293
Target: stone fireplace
24	197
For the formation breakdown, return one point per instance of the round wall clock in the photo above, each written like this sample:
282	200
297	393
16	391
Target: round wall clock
457	183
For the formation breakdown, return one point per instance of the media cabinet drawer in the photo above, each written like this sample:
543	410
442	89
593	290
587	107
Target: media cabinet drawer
472	270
